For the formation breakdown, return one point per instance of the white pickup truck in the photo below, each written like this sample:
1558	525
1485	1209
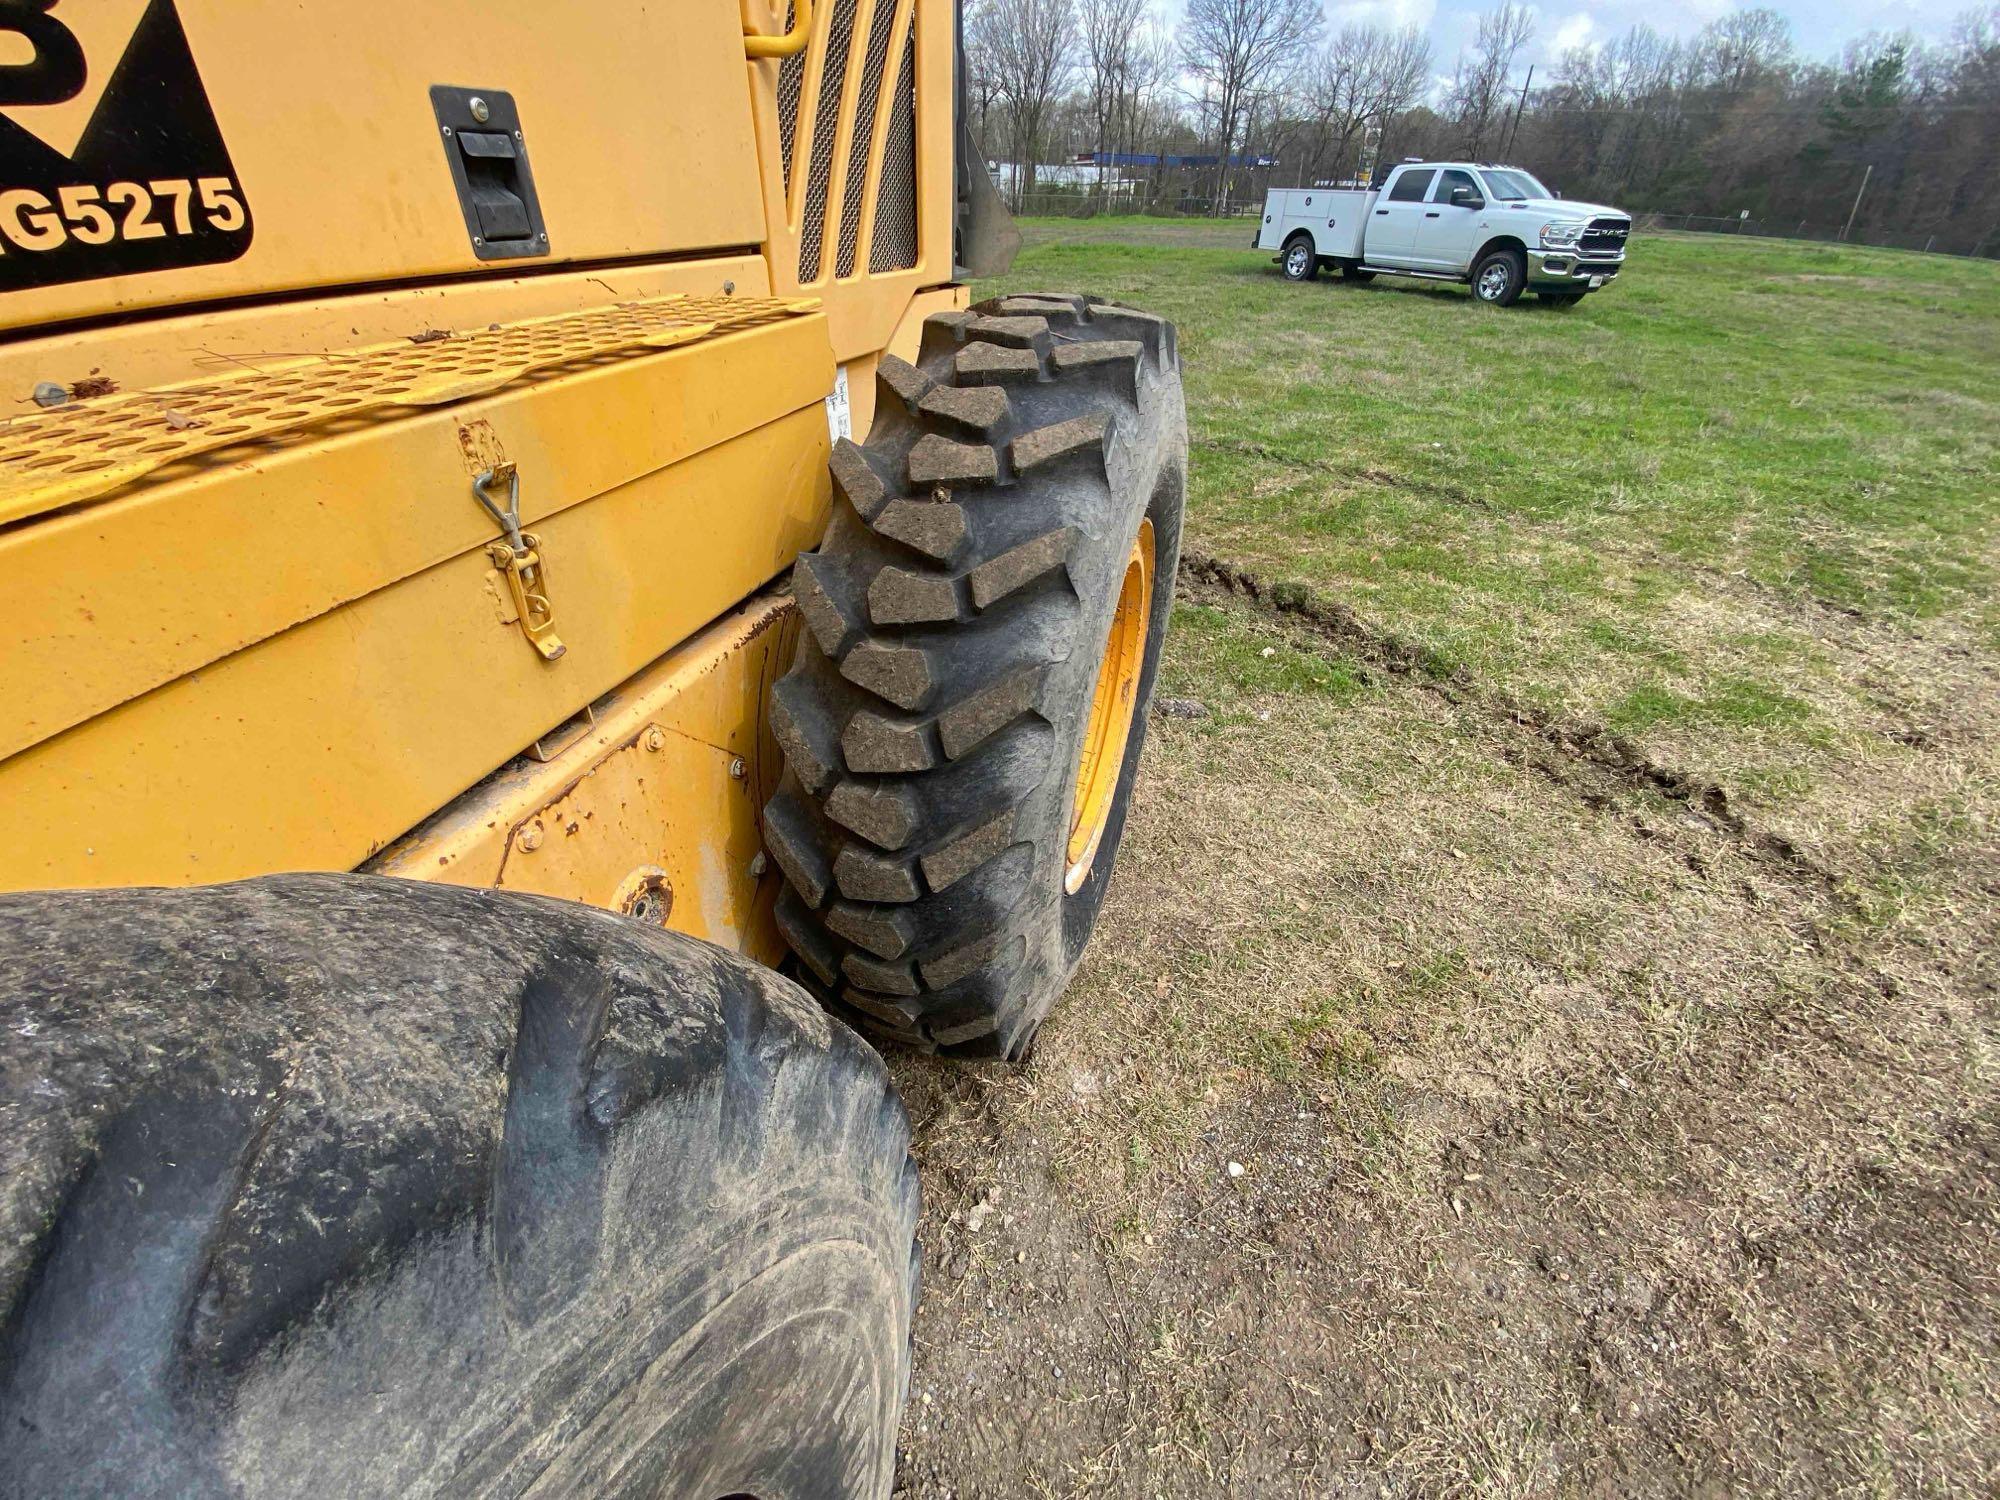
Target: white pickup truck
1496	228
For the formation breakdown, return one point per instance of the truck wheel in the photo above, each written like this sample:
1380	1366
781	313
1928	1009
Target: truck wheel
964	717
1297	259
1499	277
333	1185
1351	272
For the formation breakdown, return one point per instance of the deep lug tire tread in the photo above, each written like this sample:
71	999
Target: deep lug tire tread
330	1184
925	718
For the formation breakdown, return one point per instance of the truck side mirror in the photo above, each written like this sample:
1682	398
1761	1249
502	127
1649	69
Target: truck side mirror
1464	197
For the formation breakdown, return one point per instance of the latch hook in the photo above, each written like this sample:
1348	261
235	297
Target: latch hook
519	561
510	518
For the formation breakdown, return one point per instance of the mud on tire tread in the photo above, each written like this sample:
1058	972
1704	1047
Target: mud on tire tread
323	1185
955	615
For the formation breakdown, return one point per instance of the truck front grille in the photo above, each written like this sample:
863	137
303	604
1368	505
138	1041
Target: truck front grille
1604	237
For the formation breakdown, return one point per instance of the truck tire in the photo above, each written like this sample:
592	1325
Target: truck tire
1500	277
1297	259
334	1185
1355	273
956	787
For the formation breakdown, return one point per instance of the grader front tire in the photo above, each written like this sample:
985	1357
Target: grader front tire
957	784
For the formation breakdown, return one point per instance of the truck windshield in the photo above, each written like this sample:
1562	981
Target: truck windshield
1510	185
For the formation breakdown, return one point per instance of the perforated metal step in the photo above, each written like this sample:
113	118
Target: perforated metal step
66	454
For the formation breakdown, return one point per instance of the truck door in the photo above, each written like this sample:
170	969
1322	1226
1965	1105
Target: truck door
1449	233
1392	226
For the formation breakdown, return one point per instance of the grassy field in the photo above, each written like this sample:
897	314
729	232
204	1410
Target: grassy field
1542	1039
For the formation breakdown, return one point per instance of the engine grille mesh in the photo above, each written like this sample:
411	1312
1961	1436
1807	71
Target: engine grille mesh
826	125
791	83
879	38
895	247
893	172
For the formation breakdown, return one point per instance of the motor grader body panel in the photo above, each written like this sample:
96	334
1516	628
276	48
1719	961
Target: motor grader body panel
411	409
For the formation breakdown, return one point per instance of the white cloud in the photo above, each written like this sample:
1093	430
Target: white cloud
1575	32
1418	13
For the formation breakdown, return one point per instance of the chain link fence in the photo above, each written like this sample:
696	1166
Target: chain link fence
1802	229
1078	204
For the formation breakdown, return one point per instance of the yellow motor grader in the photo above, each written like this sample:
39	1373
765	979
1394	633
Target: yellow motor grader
535	607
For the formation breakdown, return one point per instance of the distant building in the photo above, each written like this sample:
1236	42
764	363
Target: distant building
1113	173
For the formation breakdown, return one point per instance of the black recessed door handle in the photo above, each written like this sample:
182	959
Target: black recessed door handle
1382	211
1431	215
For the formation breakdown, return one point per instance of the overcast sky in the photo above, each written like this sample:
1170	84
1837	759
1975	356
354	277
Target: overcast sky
1820	27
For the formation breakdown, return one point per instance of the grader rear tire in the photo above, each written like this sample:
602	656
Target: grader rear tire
331	1185
956	783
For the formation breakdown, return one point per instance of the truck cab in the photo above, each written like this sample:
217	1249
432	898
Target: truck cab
1495	228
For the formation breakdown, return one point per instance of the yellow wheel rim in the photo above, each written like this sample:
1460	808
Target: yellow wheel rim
1113	706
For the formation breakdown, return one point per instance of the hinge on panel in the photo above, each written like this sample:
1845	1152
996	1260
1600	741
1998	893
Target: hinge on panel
519	560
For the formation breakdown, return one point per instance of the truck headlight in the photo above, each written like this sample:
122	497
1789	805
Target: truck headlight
1561	236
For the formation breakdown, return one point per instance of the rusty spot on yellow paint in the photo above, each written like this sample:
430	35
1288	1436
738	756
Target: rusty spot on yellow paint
480	445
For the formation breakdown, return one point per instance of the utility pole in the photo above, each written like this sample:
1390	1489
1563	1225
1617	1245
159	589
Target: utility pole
1857	200
1507	152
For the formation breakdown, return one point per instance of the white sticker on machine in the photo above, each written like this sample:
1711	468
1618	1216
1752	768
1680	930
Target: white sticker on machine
839	415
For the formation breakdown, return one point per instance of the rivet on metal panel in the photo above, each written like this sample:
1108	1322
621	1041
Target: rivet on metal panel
655	739
529	839
737	769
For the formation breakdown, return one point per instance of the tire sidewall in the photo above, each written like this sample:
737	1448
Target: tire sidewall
1291	255
1516	278
1149	469
1164	508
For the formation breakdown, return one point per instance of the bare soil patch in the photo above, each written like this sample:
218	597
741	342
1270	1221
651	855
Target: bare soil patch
1588	1142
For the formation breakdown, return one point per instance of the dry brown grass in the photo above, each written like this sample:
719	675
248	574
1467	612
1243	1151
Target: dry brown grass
1587	1148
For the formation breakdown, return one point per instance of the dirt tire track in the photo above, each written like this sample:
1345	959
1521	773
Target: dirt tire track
1587	754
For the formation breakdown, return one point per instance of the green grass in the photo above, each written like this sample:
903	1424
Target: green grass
1213	651
1556	502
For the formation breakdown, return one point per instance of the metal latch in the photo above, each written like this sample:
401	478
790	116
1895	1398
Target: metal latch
519	561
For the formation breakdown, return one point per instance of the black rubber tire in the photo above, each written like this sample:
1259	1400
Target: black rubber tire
1357	274
1517	277
334	1185
1560	301
1296	267
957	613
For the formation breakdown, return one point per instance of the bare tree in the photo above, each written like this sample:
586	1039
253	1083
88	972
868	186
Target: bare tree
982	70
1744	46
1238	49
1479	88
1402	81
1030	48
1334	92
1113	36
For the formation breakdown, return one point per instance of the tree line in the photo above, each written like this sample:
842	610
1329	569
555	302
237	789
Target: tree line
1735	119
